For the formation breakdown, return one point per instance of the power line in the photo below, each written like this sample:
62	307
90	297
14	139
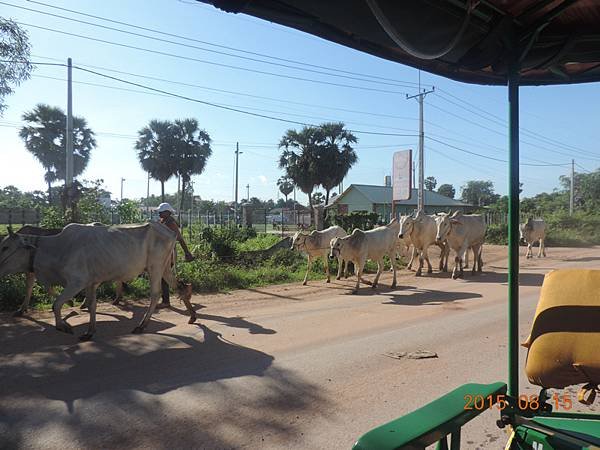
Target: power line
225	107
491	157
244	94
500	121
570	155
327	119
195	47
229	66
187	38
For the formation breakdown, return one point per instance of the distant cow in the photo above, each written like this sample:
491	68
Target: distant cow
373	244
421	230
82	257
531	231
462	232
316	244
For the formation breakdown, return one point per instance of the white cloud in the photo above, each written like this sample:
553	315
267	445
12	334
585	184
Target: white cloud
263	179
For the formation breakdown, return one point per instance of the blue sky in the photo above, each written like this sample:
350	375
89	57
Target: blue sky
558	123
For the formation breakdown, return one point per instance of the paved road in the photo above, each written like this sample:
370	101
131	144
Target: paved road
275	368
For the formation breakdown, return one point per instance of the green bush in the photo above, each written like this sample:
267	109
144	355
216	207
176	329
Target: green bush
357	219
497	234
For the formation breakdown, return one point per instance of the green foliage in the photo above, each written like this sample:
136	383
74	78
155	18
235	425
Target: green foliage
479	193
497	234
318	155
15	53
286	185
260	242
129	211
12	293
12	197
430	183
44	136
447	190
356	219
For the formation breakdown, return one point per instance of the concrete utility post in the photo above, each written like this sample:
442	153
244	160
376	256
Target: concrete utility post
572	196
122	179
69	130
420	97
248	192
237	156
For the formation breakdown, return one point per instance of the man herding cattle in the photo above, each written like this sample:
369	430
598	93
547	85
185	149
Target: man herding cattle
531	231
165	213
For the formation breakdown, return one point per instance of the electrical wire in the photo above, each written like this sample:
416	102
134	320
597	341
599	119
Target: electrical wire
203	61
187	38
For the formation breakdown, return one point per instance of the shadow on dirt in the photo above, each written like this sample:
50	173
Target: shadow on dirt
525	279
149	390
420	297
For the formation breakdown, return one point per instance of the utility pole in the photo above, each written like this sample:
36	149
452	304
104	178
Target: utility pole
122	179
420	97
69	142
69	130
237	156
572	196
147	198
414	177
248	191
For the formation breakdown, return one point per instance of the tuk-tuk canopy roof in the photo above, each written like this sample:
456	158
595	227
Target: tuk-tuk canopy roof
556	41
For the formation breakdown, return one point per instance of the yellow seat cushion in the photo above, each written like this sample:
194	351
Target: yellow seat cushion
564	343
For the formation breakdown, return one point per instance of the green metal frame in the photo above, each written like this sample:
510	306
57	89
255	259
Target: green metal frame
446	415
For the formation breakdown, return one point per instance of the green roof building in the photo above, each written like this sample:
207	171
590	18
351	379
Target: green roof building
378	199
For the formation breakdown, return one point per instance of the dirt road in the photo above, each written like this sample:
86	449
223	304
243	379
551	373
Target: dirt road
274	368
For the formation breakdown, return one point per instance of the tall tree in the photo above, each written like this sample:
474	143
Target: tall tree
286	186
479	193
156	149
447	190
337	156
193	151
14	53
430	183
299	158
45	137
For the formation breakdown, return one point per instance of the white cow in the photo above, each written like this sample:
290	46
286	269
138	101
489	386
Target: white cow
316	244
462	232
81	257
531	231
373	244
421	230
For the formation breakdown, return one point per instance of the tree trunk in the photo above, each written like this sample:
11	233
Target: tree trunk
49	193
310	206
181	200
327	191
162	191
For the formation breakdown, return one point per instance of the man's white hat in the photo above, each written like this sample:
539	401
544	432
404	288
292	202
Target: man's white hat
165	207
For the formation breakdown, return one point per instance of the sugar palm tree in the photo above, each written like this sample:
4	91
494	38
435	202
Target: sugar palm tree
157	151
299	158
45	138
193	151
286	186
337	155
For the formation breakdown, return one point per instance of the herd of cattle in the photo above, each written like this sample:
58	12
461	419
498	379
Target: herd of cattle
81	257
458	232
